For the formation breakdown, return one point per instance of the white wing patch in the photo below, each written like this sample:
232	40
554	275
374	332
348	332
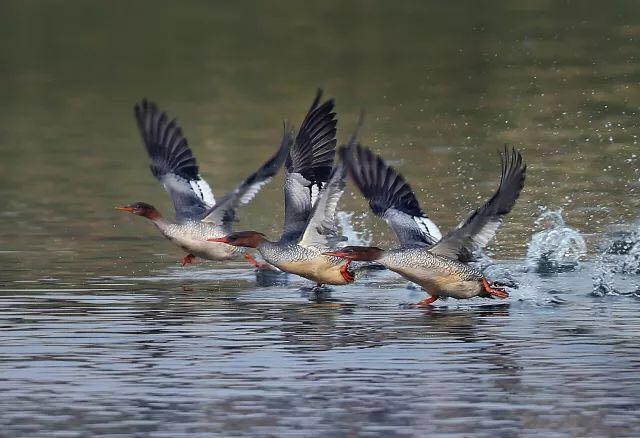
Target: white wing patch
427	226
203	191
315	191
252	191
322	228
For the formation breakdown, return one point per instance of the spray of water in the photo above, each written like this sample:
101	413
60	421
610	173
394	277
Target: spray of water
618	265
557	248
356	235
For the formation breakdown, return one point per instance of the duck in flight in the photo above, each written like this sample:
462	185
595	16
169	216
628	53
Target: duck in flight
198	215
312	189
438	264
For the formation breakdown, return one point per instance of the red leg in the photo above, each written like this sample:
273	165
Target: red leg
189	258
495	291
348	277
256	263
427	301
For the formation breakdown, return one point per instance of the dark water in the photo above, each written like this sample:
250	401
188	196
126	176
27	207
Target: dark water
101	331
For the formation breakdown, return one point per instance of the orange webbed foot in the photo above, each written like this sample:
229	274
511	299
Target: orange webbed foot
494	291
188	259
348	277
427	301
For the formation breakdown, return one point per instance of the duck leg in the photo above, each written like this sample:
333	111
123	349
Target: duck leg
256	263
494	291
427	301
188	259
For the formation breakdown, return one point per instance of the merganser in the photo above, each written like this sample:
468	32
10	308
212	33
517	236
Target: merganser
439	266
198	216
310	226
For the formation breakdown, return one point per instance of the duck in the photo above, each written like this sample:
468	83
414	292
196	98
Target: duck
312	189
198	216
439	264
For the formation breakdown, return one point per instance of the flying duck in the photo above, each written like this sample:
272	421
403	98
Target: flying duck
198	215
438	264
312	189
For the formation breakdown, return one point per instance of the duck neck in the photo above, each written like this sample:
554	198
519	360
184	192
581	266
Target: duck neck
159	221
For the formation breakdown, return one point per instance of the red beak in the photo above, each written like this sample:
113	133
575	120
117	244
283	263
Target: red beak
220	240
125	208
337	253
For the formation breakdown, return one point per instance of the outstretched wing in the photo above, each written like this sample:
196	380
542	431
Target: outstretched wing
322	229
308	166
391	198
478	229
224	212
173	163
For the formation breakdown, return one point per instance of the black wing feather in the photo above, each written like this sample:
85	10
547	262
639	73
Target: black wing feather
314	148
308	166
172	162
392	198
480	227
167	157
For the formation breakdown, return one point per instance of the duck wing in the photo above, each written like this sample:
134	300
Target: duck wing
475	232
224	212
322	228
308	166
173	162
391	198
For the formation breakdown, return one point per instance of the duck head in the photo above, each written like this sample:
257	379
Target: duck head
141	209
358	253
246	239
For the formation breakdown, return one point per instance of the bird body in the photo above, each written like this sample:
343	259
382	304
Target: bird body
312	189
192	237
307	262
198	216
440	276
439	264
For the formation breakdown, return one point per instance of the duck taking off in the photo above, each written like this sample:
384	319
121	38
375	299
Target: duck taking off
312	190
439	266
198	215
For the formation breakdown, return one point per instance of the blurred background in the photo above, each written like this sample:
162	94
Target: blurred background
444	86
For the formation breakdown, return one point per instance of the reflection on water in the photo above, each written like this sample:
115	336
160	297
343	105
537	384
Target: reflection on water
234	358
103	332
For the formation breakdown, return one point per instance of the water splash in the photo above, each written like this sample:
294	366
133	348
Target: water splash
360	236
557	248
618	265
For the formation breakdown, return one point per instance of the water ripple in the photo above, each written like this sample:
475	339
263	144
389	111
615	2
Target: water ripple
224	355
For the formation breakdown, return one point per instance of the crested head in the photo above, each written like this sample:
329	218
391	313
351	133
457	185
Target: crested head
358	253
141	209
246	239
